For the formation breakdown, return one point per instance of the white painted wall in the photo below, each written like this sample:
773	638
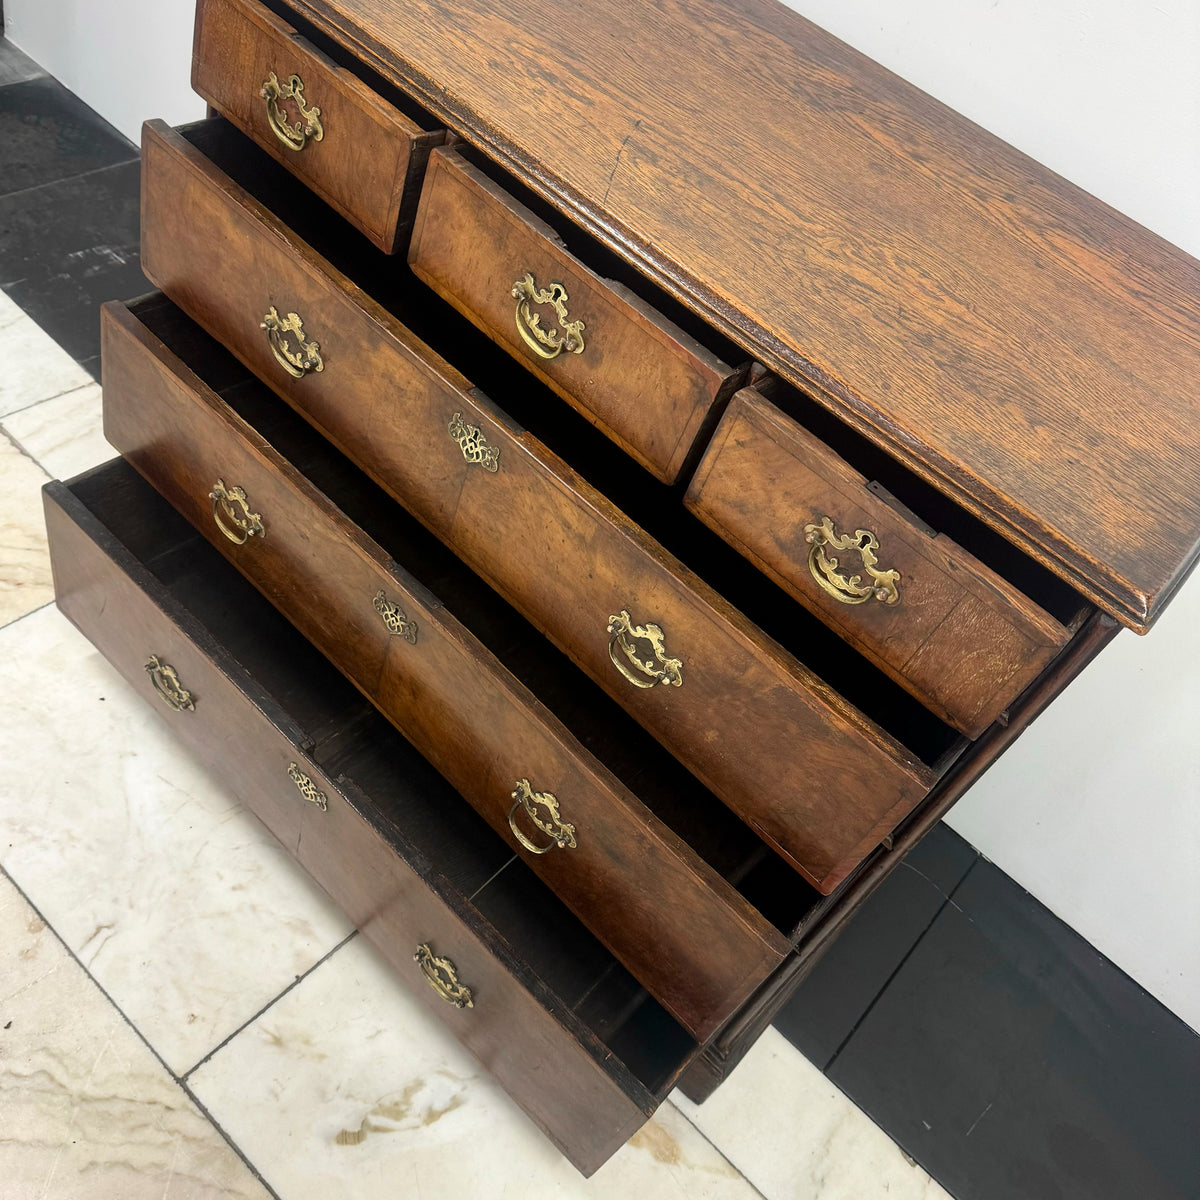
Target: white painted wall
129	59
1097	809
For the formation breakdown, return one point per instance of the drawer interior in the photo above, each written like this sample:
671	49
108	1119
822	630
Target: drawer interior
391	784
652	774
657	507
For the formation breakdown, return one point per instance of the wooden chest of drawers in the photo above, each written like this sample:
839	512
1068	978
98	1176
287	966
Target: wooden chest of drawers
607	507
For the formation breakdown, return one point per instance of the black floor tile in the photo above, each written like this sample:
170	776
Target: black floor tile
67	247
15	67
832	1000
92	366
47	134
1014	1062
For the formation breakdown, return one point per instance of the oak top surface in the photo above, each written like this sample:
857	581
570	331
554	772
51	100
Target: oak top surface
1027	348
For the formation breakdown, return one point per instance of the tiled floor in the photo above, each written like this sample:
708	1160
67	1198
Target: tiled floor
183	1014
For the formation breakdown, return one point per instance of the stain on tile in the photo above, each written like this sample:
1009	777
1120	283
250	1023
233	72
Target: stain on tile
48	134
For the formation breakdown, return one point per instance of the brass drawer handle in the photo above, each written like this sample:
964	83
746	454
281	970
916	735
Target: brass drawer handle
308	789
561	833
394	619
307	128
474	446
230	505
297	363
849	589
545	343
443	977
636	665
167	685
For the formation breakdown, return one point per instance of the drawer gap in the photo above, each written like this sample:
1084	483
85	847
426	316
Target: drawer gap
666	787
396	790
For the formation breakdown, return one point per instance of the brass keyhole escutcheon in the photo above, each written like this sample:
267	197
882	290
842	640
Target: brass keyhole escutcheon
306	787
394	618
545	343
299	361
640	654
542	810
295	135
231	512
832	579
167	685
474	446
442	976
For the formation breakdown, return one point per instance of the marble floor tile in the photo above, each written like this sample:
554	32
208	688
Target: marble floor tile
796	1137
15	66
348	1087
65	435
179	903
25	582
35	366
88	1112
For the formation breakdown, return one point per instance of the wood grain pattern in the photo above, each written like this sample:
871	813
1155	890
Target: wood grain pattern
640	379
682	930
961	639
369	163
543	1056
1015	341
804	768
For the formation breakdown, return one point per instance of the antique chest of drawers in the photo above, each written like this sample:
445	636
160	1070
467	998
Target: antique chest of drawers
600	493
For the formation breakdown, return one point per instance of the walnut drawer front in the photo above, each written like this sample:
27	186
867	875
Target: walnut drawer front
804	768
379	830
692	940
355	150
631	372
951	631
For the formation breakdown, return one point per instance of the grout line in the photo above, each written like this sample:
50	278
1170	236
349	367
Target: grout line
37	187
947	901
21	450
57	395
269	1004
9	624
181	1083
741	1173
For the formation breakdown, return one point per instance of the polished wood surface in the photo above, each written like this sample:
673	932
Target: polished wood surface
552	1065
960	639
749	721
1010	338
640	379
369	162
684	932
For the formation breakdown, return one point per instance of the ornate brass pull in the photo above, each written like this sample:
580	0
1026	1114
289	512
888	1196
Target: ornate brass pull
394	618
561	833
307	128
849	589
545	343
308	789
638	667
297	363
167	685
442	977
230	504
472	443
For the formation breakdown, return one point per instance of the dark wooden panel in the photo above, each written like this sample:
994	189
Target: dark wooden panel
369	158
806	769
959	638
681	929
1008	336
551	1065
638	378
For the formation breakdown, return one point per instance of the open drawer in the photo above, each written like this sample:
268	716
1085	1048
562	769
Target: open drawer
578	1045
